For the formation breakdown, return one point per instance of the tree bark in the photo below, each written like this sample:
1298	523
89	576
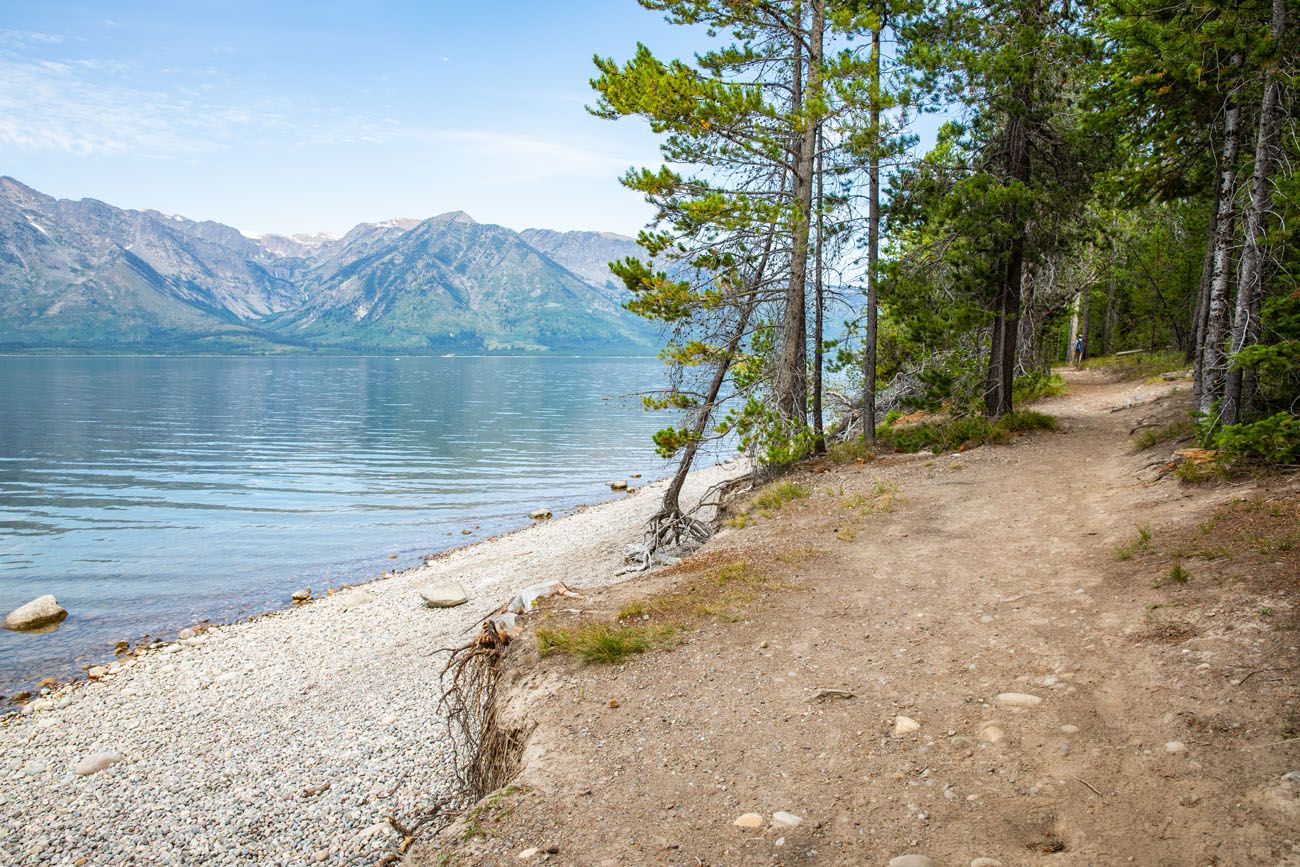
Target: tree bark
873	249
1250	285
1002	354
1214	360
791	380
1203	305
1085	323
819	306
1074	329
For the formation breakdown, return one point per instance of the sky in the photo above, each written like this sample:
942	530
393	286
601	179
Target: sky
303	117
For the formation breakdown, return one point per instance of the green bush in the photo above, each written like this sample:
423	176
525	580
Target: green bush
1036	386
1274	439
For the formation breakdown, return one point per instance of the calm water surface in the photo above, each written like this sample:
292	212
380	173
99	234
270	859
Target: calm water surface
147	493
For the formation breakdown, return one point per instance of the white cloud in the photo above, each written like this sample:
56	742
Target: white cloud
517	158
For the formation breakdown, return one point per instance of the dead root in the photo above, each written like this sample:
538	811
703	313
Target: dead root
485	754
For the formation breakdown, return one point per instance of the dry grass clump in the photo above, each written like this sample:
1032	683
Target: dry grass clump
725	592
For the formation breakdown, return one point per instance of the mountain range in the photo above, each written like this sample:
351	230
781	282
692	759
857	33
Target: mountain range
86	276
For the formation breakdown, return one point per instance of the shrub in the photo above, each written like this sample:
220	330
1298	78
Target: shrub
1274	439
947	436
1037	385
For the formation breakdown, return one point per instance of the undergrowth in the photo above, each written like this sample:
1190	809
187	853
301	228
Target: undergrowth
1153	436
964	432
1141	365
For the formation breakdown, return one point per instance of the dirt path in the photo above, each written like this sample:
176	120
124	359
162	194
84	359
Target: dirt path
989	572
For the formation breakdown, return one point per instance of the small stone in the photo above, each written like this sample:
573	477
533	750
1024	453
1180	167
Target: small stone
21	696
619	485
992	734
448	594
1017	699
786	820
121	647
613	703
985	862
190	633
748	820
41	611
912	861
1175	747
34	768
634	475
322	856
905	725
466	532
1292	776
96	672
527	853
1070	730
301	595
96	762
540	514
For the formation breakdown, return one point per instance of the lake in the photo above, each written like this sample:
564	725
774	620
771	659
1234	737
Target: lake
147	493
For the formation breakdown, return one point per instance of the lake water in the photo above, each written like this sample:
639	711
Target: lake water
148	493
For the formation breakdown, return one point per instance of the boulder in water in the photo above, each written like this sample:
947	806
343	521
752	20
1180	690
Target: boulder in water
43	611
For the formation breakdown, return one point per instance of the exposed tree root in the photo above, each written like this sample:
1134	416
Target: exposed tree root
485	755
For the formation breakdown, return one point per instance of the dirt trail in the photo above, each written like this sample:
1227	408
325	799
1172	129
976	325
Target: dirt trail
993	572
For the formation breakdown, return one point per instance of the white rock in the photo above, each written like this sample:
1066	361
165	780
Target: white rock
785	820
540	514
986	862
912	861
905	725
445	595
992	734
33	768
748	820
1175	747
1070	729
96	762
96	672
186	633
527	853
301	595
41	611
355	599
39	705
1017	699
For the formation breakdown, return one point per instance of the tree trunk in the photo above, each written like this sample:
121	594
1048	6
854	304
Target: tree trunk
1107	323
1074	329
1250	288
873	249
791	381
1002	354
1085	324
1203	305
670	506
1214	360
819	302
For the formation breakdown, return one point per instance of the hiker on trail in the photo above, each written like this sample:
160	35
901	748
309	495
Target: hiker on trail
1078	349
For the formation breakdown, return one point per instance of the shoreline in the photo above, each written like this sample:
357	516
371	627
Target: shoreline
241	725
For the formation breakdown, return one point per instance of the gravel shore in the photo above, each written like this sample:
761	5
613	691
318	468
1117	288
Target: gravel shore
288	739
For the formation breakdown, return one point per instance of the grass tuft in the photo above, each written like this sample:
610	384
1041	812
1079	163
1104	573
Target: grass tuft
962	433
601	643
1153	436
850	452
1140	544
776	495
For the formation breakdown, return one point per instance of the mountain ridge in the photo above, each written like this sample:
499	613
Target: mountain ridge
83	275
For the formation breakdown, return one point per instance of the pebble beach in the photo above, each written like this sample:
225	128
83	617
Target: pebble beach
288	739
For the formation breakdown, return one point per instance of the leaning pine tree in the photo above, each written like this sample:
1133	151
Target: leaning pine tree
728	248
